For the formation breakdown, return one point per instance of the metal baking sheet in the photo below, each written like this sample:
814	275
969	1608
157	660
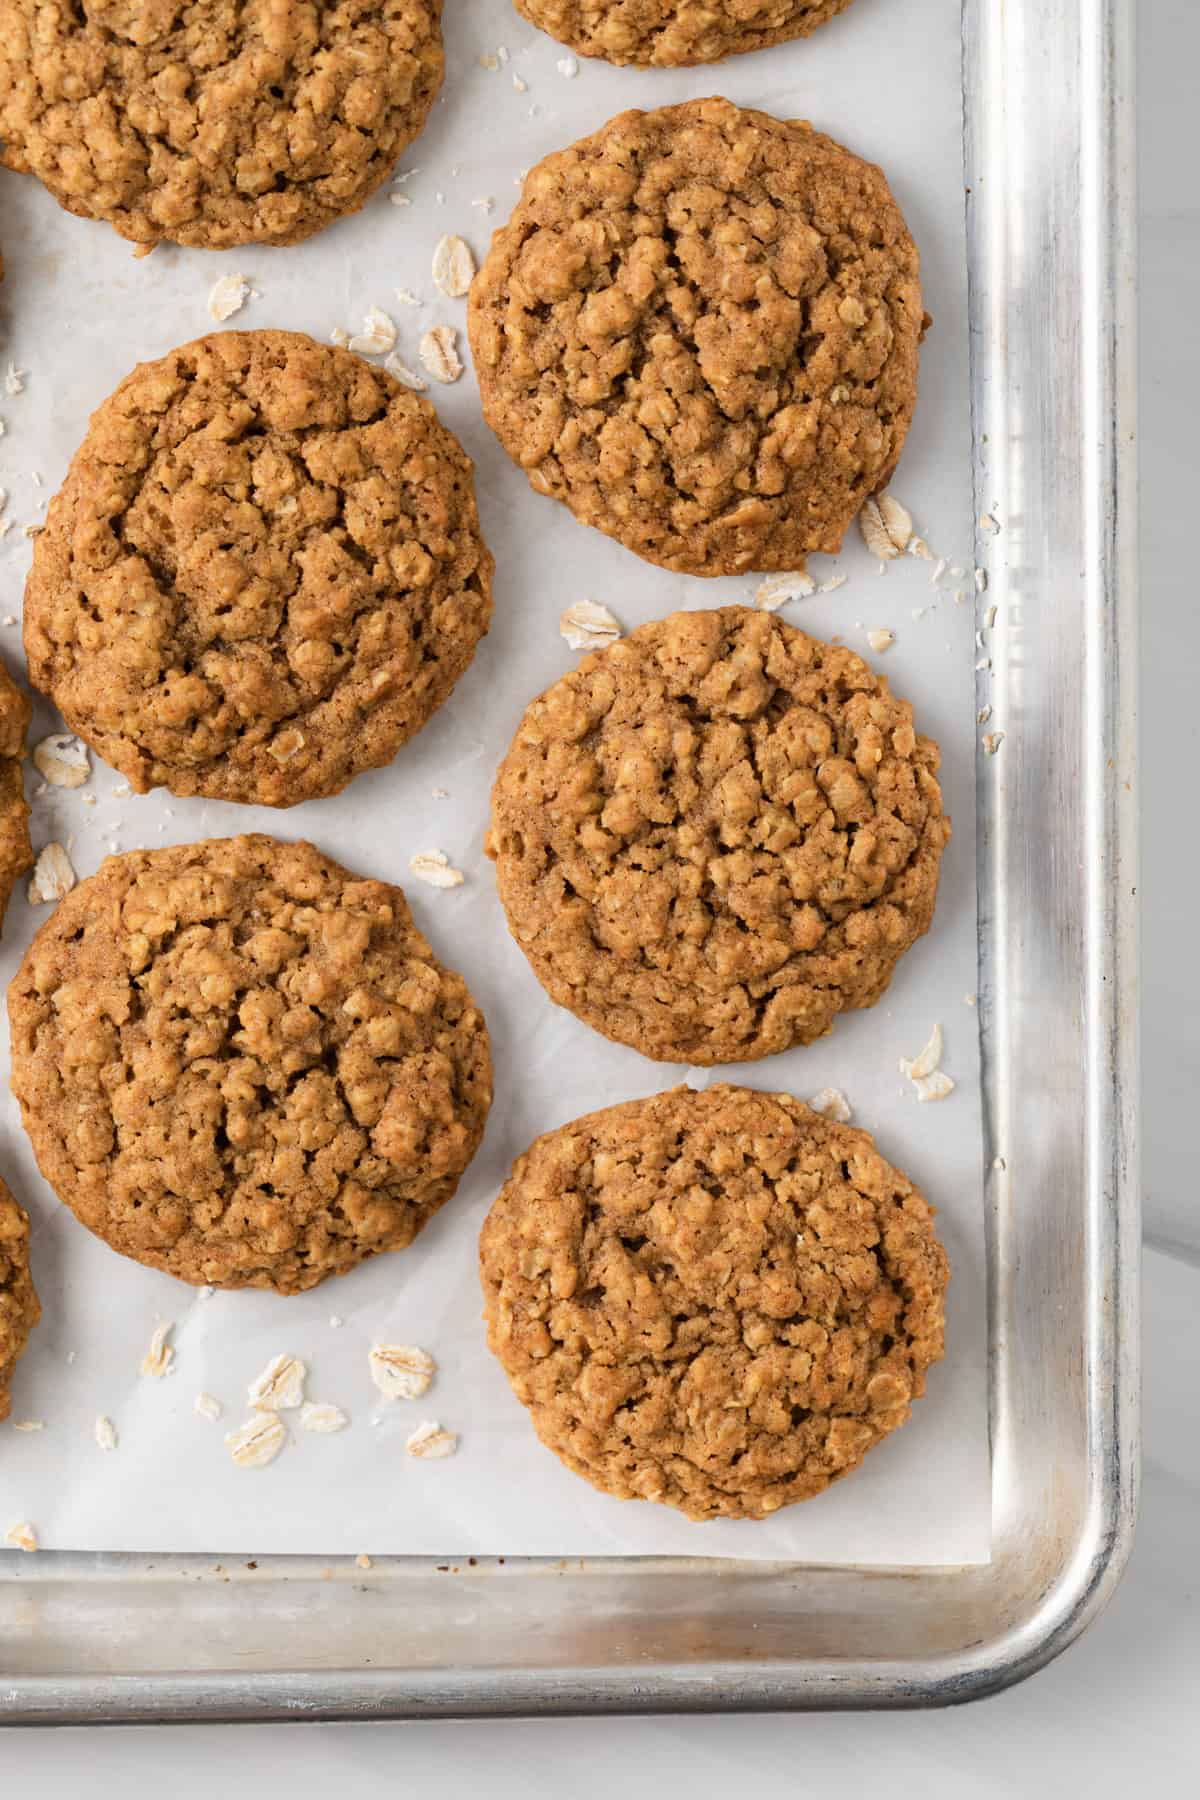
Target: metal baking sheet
1047	175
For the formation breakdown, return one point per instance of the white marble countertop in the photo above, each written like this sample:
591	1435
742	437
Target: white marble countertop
1113	1711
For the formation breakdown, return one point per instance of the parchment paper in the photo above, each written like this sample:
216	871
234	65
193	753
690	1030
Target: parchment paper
76	311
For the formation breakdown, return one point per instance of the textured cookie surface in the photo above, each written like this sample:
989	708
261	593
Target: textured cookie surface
229	122
242	1064
717	1300
263	572
16	854
700	330
19	1309
716	835
670	33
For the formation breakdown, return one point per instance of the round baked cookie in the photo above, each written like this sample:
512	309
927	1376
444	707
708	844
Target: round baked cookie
241	1064
700	330
263	573
215	124
674	33
16	853
716	1300
19	1309
716	835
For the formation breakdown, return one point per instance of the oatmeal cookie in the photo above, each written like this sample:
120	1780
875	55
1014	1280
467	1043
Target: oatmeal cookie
263	573
716	1300
674	33
19	1309
16	854
214	124
700	330
241	1064
717	834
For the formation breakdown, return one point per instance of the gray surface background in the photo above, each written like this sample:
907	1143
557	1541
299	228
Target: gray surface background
1118	1711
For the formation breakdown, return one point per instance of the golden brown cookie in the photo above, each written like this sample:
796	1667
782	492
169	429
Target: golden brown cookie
716	835
263	573
716	1300
673	33
16	853
19	1309
700	330
241	1064
215	124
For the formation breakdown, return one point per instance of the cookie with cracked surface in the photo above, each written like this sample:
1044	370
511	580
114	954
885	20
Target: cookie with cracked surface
719	1300
263	572
217	124
19	1308
675	33
717	834
16	852
700	330
242	1064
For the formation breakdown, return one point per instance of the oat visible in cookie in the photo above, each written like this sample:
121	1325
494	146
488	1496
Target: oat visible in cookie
263	573
700	330
674	33
720	1301
219	124
16	851
717	834
19	1308
242	1064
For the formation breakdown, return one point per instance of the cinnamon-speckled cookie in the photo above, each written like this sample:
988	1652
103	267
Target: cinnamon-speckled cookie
716	835
214	124
16	854
263	573
716	1300
671	33
241	1064
700	330
19	1309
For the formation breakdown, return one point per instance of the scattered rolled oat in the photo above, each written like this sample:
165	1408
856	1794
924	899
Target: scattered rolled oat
406	376
52	876
207	1406
401	1371
257	1442
228	295
777	590
568	67
918	547
989	618
983	715
881	639
970	999
439	354
159	1357
489	60
280	1386
485	203
399	199
939	569
433	867
406	297
106	1433
14	380
29	1424
431	1440
319	1416
453	267
831	1103
992	741
62	759
521	87
999	1164
981	581
378	334
339	337
362	1561
886	527
587	625
831	586
927	1061
937	1086
987	522
122	792
22	1537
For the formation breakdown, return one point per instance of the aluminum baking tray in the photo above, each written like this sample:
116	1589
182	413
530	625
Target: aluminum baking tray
1048	158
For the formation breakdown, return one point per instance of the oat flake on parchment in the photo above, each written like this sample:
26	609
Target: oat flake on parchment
927	1060
919	548
886	527
227	296
320	1415
362	1560
106	1433
833	584
831	1103
208	1406
52	878
29	1424
568	67
992	741
22	1536
435	869
160	1356
378	334
257	1442
62	759
937	1086
777	590
401	1371
587	625
280	1386
439	354
14	380
404	375
431	1441
881	639
453	267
